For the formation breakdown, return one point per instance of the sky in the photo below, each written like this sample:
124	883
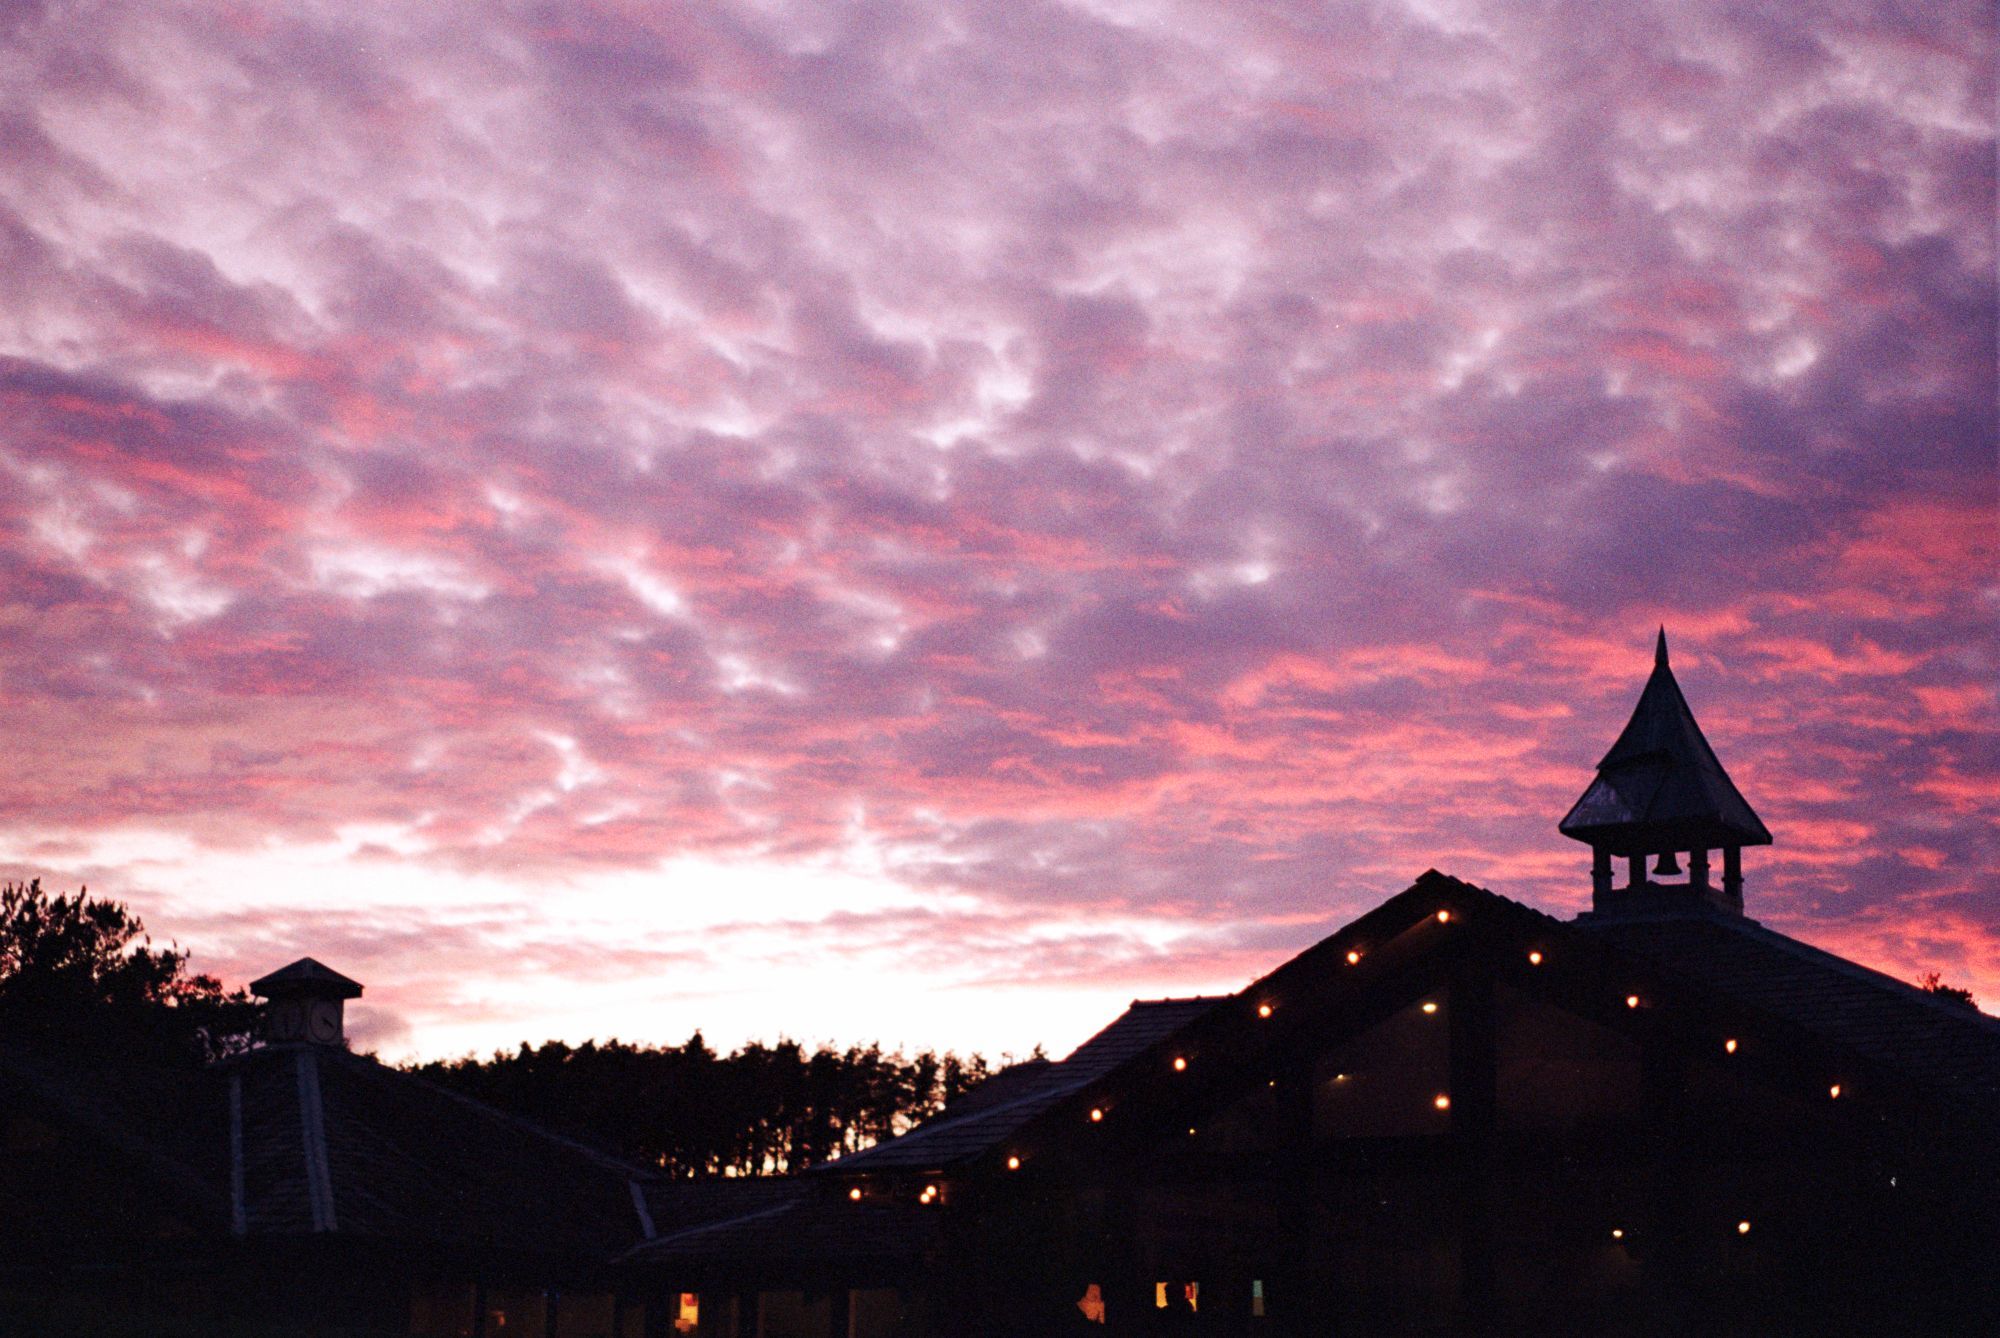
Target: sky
922	522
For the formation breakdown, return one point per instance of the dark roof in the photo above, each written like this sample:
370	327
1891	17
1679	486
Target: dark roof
978	1126
308	977
1946	1046
805	1225
329	1141
1660	787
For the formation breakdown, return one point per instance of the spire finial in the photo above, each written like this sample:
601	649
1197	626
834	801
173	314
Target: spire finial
1660	649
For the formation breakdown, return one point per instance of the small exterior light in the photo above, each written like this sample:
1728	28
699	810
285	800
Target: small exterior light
1097	1114
929	1195
1729	1046
1534	959
1743	1228
1834	1092
1340	1077
1631	1001
1013	1163
1618	1233
1180	1064
1441	1101
1444	917
1263	1010
1190	1131
1430	1008
855	1193
1353	957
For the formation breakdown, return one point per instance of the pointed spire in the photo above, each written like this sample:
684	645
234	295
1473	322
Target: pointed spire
1661	790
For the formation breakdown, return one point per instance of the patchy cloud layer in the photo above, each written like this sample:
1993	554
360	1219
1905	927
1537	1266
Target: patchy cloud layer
613	517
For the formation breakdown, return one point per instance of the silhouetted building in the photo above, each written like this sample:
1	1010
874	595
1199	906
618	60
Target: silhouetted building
1454	1115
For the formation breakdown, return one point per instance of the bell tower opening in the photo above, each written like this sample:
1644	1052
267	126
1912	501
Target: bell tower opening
1660	794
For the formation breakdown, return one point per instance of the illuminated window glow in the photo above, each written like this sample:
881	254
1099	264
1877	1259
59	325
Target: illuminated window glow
687	1315
1256	1298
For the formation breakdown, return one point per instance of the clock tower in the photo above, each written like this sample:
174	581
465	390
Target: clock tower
306	1000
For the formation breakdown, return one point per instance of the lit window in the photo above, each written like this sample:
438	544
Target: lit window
1534	959
687	1315
1743	1228
1430	1008
1193	1294
1353	958
1441	1101
1257	1298
1729	1046
1180	1064
1159	1296
1092	1304
1013	1163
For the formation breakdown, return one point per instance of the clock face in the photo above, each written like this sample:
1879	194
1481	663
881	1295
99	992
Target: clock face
323	1021
287	1020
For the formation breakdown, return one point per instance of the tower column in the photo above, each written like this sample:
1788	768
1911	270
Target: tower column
1732	873
1600	871
1698	868
1638	863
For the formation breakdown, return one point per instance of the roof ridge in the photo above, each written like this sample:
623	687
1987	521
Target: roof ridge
1866	974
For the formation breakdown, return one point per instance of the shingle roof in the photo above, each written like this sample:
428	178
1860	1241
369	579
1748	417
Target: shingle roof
978	1126
306	976
1949	1047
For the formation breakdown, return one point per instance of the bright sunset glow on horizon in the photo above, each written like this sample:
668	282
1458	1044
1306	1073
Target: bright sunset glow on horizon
922	522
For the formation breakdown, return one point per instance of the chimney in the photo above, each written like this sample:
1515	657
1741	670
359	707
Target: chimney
306	1001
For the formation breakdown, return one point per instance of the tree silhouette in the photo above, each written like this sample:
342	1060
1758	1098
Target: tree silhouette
80	971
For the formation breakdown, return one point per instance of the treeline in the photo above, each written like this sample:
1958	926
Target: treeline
759	1110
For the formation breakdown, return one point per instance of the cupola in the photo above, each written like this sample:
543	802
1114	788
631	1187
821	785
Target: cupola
1660	794
306	1001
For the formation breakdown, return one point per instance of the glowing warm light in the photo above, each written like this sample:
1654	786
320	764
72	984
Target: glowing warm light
1190	1131
1430	1008
1013	1163
1441	1101
1180	1064
1834	1091
1618	1233
1631	1001
1263	1010
1096	1114
1742	1228
1353	957
1534	959
1729	1046
1340	1077
930	1192
1444	917
855	1193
